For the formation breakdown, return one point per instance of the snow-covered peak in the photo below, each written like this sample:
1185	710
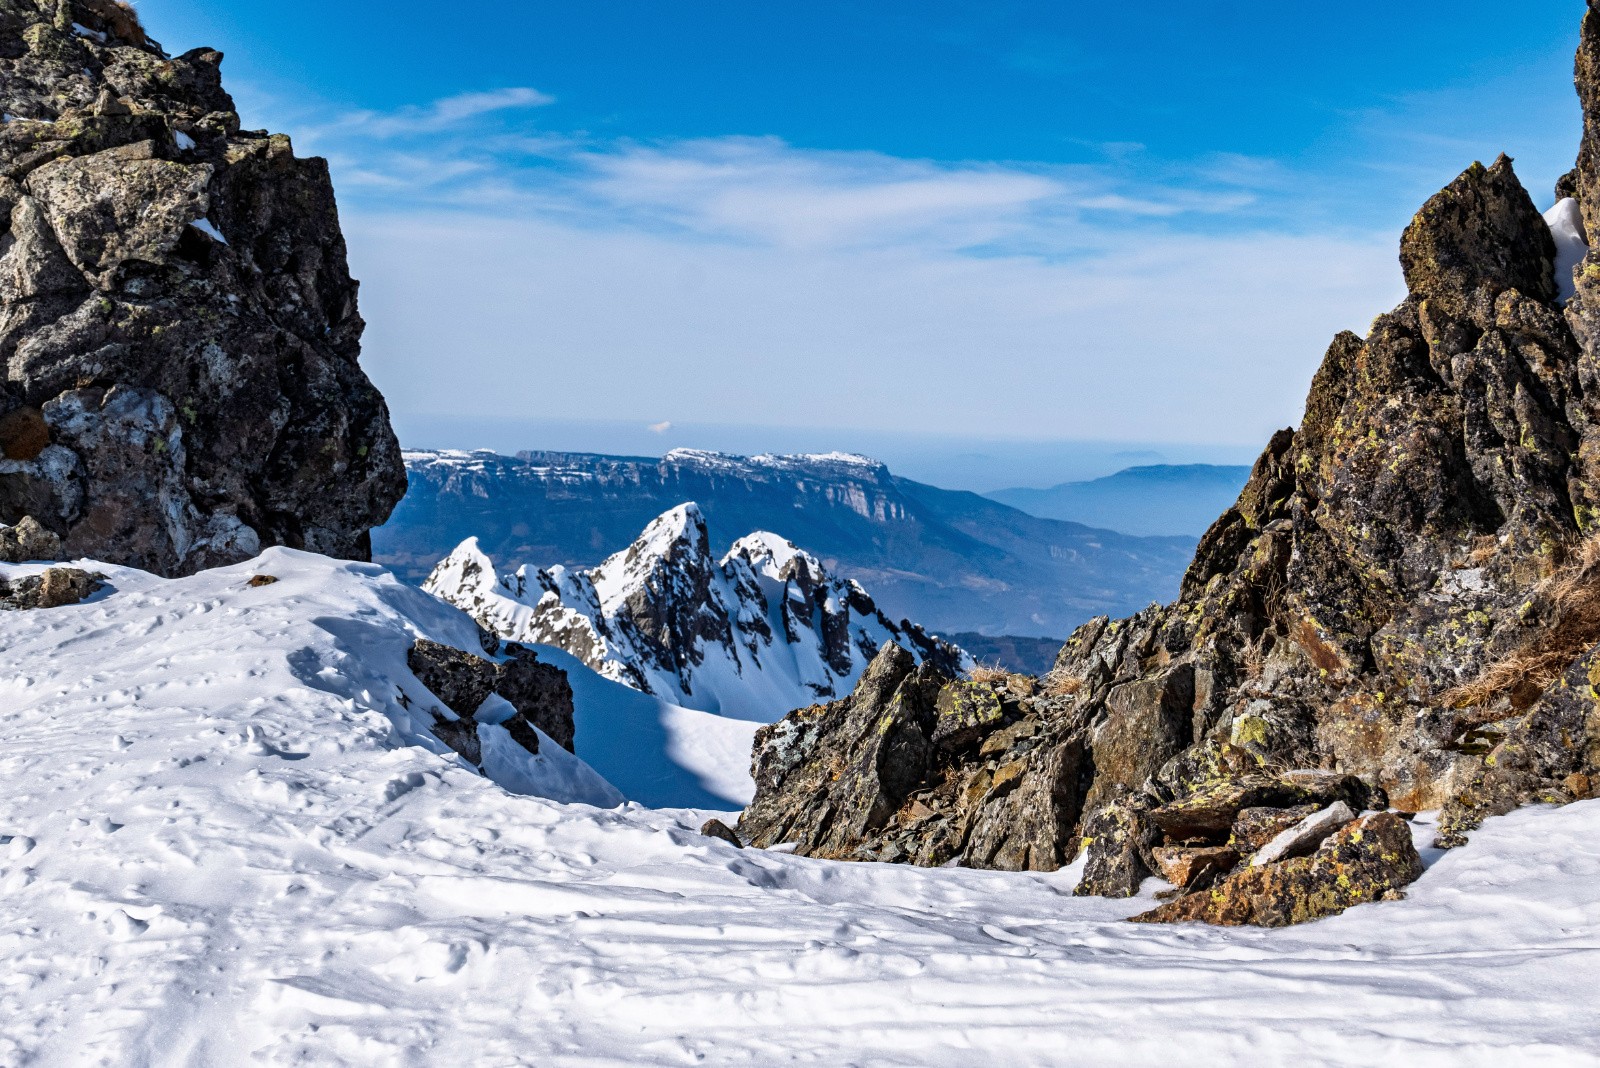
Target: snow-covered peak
674	549
772	556
762	631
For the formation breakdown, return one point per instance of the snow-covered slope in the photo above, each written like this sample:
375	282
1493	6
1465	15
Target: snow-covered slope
223	842
761	632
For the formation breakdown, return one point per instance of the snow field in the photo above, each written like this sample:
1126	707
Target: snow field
224	840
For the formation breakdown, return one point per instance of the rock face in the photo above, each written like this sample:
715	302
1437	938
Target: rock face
763	630
538	693
178	326
1368	860
1383	608
915	765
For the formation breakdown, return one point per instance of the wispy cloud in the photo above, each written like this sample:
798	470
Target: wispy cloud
748	278
490	152
451	112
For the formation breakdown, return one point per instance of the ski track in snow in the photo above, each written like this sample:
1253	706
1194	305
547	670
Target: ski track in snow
221	843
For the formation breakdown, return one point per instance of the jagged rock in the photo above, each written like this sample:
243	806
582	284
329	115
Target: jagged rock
762	630
1365	861
1118	838
28	541
863	778
1551	755
55	587
718	829
829	777
178	325
1304	836
964	714
540	693
1382	557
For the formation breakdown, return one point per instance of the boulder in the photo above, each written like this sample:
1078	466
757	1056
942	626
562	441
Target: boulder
179	384
1210	813
55	587
1370	859
461	680
1255	827
1117	838
717	829
28	540
540	693
1194	867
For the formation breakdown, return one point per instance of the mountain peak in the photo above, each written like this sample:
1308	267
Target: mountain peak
764	630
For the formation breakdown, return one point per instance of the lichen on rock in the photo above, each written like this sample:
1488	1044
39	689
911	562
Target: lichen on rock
1383	556
178	325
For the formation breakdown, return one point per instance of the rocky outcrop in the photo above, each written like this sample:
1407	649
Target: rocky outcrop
762	630
54	587
538	693
178	325
1370	859
918	766
1362	611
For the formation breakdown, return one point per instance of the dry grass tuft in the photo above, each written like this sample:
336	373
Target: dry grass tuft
120	18
988	673
1060	684
1571	601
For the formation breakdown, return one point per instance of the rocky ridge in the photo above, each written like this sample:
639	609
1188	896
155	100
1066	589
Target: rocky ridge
1379	616
764	629
952	561
178	325
535	695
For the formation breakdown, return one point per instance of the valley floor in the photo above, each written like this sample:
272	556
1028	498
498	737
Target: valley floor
224	840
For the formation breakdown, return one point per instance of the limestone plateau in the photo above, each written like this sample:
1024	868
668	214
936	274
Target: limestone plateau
178	325
1401	611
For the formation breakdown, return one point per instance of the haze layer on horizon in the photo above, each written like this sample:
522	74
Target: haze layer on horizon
1005	222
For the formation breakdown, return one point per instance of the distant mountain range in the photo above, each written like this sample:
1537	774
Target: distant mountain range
950	560
1158	500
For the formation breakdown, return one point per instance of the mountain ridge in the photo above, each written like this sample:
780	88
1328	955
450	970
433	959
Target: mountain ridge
949	559
761	631
1151	499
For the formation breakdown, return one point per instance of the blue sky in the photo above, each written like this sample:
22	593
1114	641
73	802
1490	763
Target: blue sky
1137	222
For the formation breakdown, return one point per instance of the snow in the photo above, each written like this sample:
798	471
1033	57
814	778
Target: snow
205	227
84	31
186	144
1566	226
778	603
223	841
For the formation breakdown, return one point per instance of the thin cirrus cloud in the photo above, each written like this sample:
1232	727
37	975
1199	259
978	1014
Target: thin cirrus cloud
441	115
744	279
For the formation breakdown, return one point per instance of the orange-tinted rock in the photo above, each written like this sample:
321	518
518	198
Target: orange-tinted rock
1365	861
